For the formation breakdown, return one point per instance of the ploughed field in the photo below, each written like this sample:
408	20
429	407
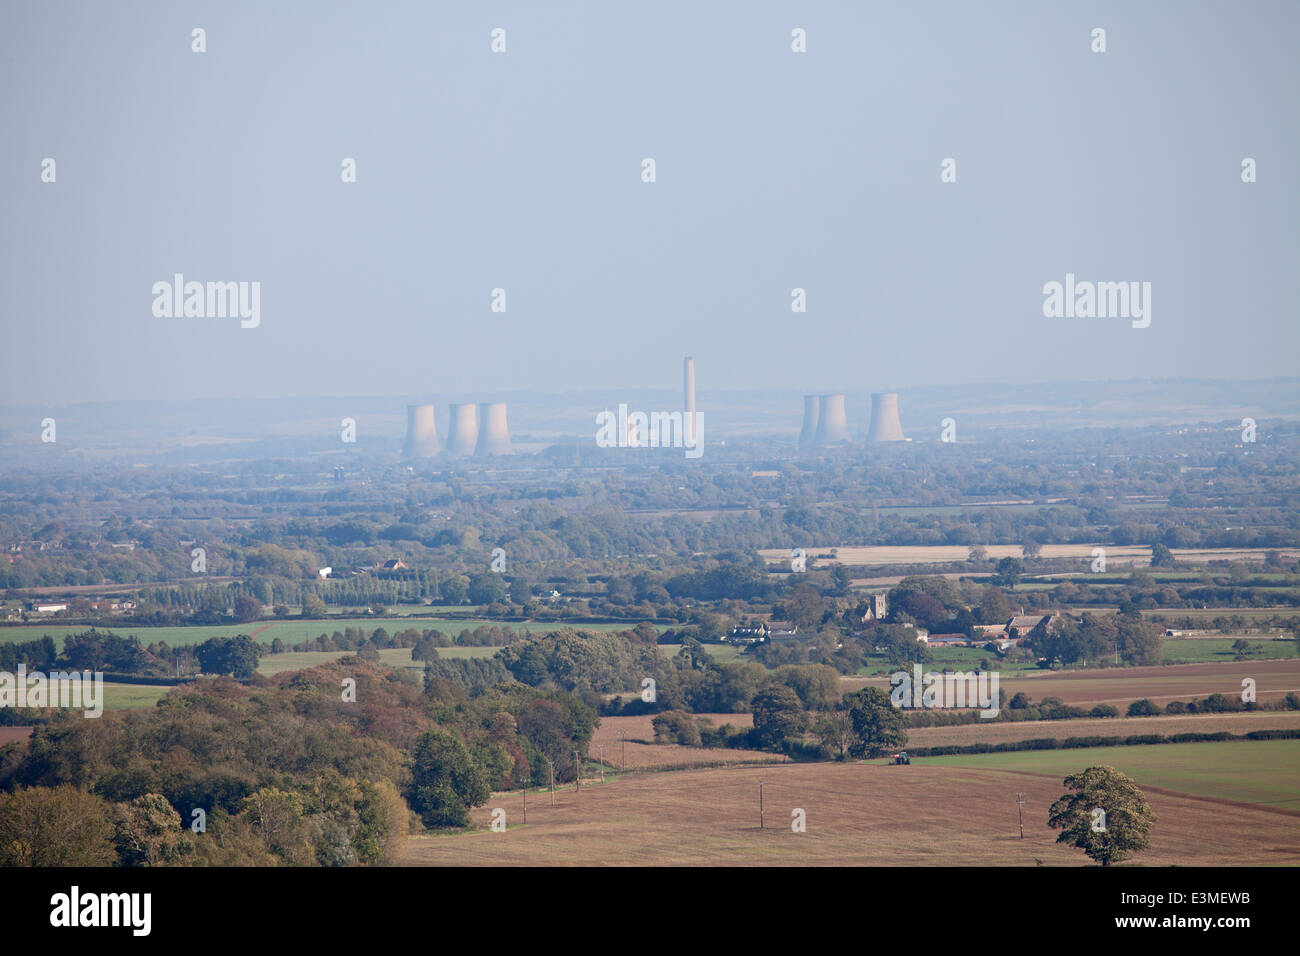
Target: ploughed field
643	754
1122	685
857	814
997	732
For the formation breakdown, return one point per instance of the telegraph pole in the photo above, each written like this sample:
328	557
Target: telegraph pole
623	734
1020	809
526	783
550	766
760	804
601	750
577	773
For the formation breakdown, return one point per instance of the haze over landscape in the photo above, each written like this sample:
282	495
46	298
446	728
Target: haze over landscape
522	171
730	435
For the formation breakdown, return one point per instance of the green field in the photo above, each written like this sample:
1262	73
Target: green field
130	696
1195	650
721	653
390	657
1253	771
293	630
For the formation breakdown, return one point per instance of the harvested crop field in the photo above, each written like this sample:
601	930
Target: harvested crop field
856	814
998	732
1120	686
945	553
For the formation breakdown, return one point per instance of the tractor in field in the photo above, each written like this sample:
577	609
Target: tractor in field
900	757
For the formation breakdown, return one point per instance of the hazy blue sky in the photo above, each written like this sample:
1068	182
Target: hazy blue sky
523	170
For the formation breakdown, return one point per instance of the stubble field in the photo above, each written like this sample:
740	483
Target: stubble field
856	814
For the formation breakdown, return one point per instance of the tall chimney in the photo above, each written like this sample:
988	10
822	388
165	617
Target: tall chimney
462	431
421	432
832	425
493	435
808	433
885	425
688	374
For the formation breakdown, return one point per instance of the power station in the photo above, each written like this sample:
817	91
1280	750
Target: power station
825	422
808	434
421	432
493	434
885	425
462	430
832	423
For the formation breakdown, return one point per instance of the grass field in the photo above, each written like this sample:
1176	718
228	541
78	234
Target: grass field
391	656
870	814
1265	772
132	696
1190	650
293	630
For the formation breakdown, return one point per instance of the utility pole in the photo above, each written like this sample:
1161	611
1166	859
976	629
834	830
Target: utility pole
1020	809
623	734
526	783
577	773
550	766
760	804
601	750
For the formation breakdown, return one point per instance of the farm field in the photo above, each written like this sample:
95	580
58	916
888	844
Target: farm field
1190	650
859	814
132	696
1122	685
290	631
997	732
391	656
943	553
1264	772
643	754
721	653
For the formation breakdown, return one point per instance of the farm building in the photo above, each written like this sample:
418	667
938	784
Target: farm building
946	640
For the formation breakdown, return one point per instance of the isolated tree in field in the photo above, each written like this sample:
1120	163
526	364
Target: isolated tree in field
878	725
778	715
485	588
236	656
1121	829
313	606
445	780
1008	573
1031	549
1161	556
835	731
247	609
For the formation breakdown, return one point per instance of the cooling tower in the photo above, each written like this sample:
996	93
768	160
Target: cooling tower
462	431
808	434
885	425
832	425
421	432
493	435
688	375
